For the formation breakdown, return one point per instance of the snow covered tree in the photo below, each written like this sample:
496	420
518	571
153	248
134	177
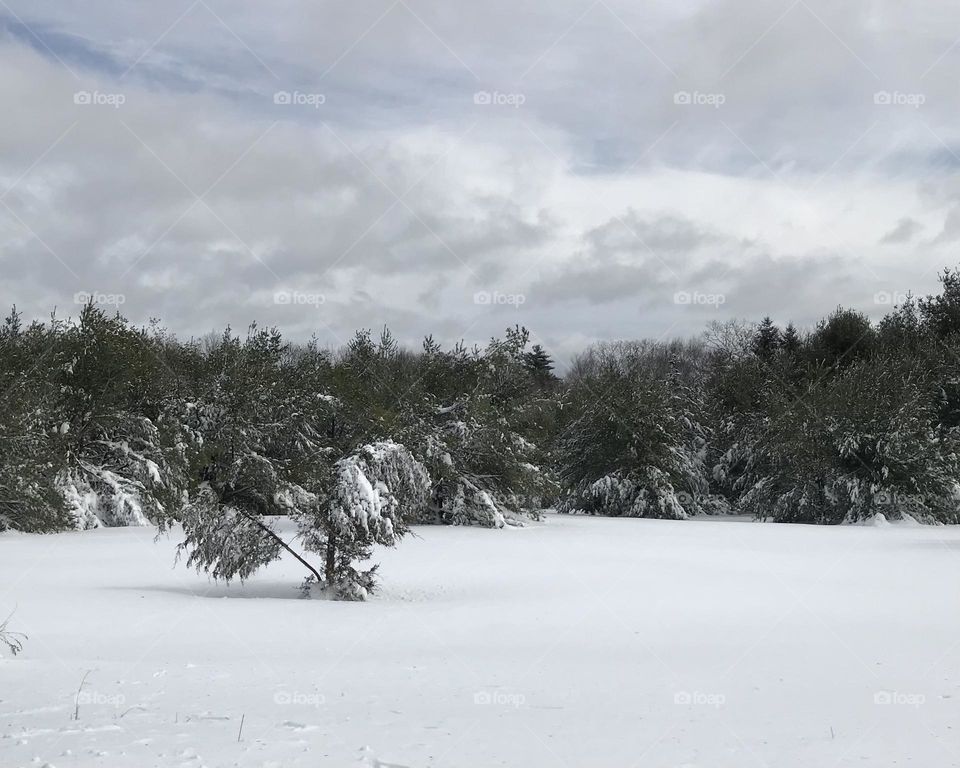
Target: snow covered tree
28	498
85	438
269	442
863	442
629	444
374	492
238	429
484	409
113	432
370	496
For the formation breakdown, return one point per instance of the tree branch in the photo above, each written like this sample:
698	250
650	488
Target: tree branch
273	534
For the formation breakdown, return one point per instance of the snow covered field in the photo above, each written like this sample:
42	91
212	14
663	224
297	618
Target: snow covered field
586	642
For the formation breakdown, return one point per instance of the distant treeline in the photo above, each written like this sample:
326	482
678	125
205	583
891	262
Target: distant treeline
105	423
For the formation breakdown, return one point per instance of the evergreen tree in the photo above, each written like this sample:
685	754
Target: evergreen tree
28	498
862	442
540	366
941	313
270	441
484	413
791	343
843	338
114	436
766	340
375	491
625	445
103	423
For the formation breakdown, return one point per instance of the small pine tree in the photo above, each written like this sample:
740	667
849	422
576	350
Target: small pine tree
791	342
270	442
367	501
540	366
766	340
374	492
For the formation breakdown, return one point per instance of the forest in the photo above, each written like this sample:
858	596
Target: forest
104	423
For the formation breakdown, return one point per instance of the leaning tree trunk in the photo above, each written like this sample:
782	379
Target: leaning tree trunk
272	534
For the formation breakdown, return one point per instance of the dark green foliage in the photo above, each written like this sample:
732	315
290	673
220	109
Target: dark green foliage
631	442
104	423
791	342
767	340
852	421
863	442
114	403
941	313
540	366
28	500
483	432
843	338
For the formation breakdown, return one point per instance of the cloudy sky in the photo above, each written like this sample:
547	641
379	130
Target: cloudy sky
592	169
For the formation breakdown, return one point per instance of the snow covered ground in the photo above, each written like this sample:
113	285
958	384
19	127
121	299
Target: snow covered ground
575	642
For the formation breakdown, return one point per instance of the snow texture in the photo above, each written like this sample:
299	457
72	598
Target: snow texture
587	642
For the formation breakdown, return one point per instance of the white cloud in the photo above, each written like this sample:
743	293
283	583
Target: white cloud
596	198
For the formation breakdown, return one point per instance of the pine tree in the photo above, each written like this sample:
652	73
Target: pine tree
861	442
941	313
271	440
375	491
627	446
481	415
114	437
766	340
791	343
28	497
843	338
540	365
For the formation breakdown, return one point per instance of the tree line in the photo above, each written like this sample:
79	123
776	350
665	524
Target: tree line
106	423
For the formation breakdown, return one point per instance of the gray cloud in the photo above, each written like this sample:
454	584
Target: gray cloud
646	258
596	195
904	232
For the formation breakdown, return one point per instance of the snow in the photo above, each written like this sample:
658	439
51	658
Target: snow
582	642
374	504
91	509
